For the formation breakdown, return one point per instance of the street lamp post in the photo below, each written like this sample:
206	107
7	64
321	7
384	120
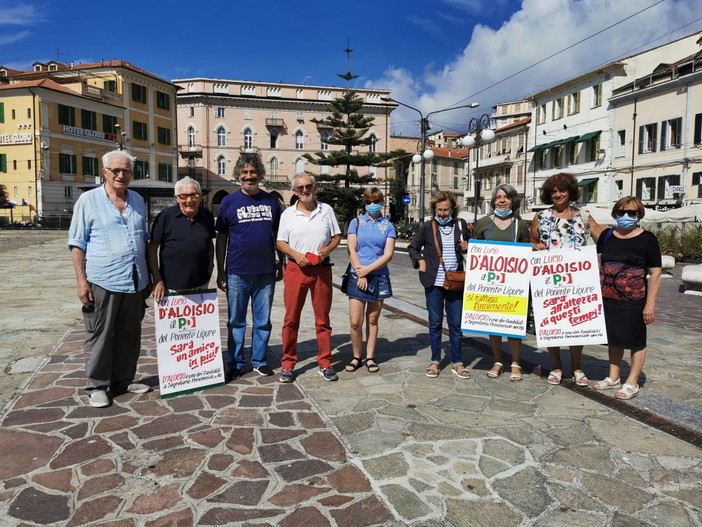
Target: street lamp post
120	137
480	126
426	154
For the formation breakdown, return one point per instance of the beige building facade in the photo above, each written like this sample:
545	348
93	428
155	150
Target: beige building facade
57	120
219	119
658	135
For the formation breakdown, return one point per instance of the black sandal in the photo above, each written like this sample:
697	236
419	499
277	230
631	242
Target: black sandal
355	363
372	365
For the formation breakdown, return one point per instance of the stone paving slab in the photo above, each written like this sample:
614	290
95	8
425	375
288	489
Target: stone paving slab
392	448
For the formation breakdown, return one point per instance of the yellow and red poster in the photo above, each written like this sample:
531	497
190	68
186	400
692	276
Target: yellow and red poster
189	349
565	288
496	293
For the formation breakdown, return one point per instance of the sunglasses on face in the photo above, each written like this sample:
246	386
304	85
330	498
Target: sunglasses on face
300	188
118	171
374	201
620	213
194	195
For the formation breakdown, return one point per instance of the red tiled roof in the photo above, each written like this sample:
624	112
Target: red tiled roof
454	153
95	65
514	125
39	83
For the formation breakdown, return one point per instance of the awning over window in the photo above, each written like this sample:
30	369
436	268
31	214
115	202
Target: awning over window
543	146
587	137
566	141
586	182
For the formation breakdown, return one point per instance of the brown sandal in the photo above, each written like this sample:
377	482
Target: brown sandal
433	369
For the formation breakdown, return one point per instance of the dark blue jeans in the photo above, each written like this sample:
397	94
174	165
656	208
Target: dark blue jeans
439	299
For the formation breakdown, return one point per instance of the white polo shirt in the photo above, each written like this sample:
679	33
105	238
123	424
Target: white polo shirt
308	234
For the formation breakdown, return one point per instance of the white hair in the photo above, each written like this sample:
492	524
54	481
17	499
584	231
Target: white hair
118	153
187	181
296	176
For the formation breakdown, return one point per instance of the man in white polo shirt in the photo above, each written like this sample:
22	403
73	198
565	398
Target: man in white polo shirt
308	232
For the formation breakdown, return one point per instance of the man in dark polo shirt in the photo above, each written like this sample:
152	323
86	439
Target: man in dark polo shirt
181	252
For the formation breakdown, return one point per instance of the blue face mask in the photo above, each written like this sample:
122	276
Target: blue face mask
502	213
627	222
374	208
444	221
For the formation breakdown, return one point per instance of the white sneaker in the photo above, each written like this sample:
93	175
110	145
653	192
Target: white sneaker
98	399
137	387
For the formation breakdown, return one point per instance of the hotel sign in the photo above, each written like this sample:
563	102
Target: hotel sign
94	134
15	139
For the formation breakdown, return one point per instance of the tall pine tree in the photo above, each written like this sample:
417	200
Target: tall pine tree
349	129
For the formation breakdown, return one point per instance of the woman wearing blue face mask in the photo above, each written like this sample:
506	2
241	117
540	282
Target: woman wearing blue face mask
628	254
451	233
371	243
504	225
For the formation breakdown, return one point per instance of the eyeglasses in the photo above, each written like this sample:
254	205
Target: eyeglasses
193	195
375	201
118	171
620	212
300	188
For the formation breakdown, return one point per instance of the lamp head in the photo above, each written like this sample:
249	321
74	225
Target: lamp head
474	105
428	154
487	136
416	158
468	141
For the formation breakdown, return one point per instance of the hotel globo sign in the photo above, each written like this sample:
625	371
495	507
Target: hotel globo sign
15	139
74	130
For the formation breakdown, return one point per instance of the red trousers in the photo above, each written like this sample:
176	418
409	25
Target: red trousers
318	281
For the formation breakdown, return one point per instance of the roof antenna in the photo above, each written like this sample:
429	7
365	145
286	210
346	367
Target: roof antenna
348	76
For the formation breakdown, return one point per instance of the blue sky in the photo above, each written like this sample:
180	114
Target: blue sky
432	54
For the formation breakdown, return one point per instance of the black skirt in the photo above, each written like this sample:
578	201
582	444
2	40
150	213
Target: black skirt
625	324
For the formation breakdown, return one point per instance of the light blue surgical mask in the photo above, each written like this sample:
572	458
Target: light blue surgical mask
374	208
503	213
627	222
444	221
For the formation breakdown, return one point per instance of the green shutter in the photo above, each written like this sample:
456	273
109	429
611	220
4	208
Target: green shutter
2	112
3	162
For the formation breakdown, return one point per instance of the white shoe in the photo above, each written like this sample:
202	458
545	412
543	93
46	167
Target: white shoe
98	399
137	387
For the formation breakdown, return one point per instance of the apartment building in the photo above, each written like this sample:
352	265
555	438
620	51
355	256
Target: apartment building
504	160
218	119
57	120
573	124
658	134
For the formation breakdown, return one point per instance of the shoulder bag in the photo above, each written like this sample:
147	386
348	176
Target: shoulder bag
453	280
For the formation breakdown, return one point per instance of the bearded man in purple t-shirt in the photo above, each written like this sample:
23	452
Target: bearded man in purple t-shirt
246	232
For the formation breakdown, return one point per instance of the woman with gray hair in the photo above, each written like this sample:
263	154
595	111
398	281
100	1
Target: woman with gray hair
504	225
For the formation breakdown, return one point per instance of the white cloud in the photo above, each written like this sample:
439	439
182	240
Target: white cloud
9	39
539	29
19	15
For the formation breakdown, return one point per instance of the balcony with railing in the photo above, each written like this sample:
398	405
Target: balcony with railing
272	122
190	152
277	181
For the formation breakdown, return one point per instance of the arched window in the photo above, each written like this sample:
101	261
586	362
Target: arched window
373	145
221	166
299	166
221	136
248	139
191	136
324	136
299	140
273	167
274	138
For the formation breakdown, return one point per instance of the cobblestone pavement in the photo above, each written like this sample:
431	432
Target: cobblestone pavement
392	448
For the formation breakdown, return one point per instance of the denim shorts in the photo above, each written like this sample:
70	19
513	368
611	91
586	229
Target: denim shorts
378	288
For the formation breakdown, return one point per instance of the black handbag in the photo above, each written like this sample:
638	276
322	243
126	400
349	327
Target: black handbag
345	279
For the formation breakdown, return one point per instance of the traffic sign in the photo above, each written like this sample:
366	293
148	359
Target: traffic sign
406	200
677	189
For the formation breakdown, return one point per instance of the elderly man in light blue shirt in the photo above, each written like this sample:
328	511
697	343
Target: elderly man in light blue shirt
107	240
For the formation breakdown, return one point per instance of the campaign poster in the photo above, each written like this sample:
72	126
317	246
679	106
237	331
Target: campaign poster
496	292
567	298
188	344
